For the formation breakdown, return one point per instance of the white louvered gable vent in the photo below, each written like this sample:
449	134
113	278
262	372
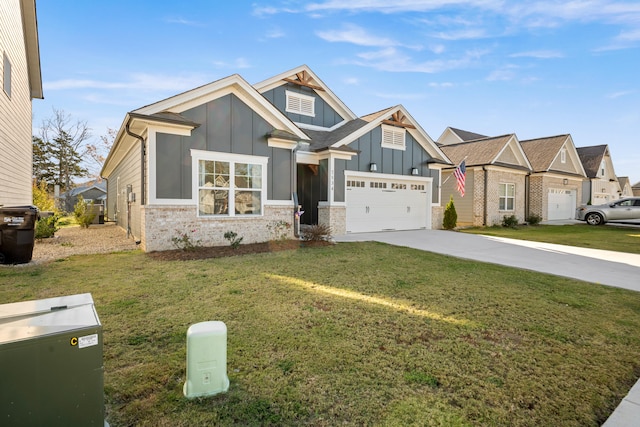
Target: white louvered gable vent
300	104
393	137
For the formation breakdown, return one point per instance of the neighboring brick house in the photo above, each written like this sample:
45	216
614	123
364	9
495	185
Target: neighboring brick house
555	183
625	186
20	82
602	184
496	178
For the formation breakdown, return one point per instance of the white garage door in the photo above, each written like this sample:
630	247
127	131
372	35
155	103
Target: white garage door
376	203
561	204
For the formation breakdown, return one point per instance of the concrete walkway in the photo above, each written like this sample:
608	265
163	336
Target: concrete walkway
591	265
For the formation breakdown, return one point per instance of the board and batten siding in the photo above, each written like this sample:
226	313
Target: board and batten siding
126	173
325	116
227	125
390	161
464	205
15	111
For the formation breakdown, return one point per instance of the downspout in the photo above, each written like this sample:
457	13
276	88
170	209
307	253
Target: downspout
486	198
527	185
294	193
142	167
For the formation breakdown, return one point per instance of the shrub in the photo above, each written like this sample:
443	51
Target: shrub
84	216
450	216
510	221
234	240
46	227
534	219
316	233
42	199
185	242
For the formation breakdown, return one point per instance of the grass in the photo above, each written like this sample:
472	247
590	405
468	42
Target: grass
611	238
353	334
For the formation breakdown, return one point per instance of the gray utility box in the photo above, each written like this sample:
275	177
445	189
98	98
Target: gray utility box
51	371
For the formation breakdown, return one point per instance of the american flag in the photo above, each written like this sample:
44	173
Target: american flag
460	173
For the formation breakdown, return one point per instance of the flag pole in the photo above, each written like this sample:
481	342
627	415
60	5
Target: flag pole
445	181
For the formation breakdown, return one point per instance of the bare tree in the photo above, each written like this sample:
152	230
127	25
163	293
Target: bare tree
98	152
63	142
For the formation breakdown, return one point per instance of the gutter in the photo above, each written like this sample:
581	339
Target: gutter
142	167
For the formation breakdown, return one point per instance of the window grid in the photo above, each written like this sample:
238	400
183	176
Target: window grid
229	188
507	197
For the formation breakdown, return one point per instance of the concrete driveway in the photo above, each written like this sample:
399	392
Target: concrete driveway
591	265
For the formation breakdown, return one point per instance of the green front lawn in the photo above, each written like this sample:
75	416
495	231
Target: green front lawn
611	238
354	334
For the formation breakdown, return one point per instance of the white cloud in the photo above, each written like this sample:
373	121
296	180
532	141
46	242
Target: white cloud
467	34
356	35
275	33
398	6
502	74
182	21
441	85
391	59
238	63
137	81
620	94
352	81
539	54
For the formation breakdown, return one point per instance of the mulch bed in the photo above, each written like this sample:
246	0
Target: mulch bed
228	251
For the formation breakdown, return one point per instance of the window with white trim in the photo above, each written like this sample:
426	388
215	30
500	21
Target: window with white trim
300	104
506	197
6	75
231	185
393	137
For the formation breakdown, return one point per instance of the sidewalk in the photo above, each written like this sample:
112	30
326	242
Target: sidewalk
608	268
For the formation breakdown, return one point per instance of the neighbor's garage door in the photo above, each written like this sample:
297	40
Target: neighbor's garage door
562	204
378	204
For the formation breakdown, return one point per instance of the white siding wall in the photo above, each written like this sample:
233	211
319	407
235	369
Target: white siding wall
15	112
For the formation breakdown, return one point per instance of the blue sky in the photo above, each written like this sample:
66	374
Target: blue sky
534	68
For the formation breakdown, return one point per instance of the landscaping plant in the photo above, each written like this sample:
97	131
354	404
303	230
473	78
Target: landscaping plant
450	216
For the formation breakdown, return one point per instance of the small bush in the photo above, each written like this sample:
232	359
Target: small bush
234	240
316	233
185	242
46	227
510	221
83	216
42	199
534	219
450	219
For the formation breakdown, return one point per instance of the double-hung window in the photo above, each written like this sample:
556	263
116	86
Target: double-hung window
230	184
507	197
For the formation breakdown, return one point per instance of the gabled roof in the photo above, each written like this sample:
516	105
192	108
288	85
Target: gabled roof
486	151
466	135
591	158
100	185
167	112
452	136
543	152
30	27
371	121
623	180
314	81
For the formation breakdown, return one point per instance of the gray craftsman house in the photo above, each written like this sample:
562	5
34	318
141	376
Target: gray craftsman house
230	156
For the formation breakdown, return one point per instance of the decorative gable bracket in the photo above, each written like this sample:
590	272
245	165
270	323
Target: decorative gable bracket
304	79
397	119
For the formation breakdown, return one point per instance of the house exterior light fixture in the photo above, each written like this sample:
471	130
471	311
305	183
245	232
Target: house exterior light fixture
565	181
373	167
414	171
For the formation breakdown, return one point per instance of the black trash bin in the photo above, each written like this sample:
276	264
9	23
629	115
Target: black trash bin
17	233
